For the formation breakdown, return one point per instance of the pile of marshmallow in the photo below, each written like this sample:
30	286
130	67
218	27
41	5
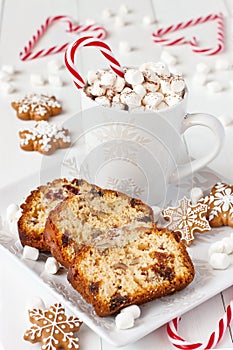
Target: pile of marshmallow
151	87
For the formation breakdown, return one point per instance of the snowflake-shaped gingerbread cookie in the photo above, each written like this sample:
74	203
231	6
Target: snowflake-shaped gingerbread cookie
37	107
53	329
220	205
187	219
44	138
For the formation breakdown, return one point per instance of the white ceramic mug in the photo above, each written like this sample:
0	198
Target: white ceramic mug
140	153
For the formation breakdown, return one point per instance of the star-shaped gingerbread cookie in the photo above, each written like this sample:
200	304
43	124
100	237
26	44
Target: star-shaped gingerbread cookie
220	205
53	329
44	138
37	107
187	219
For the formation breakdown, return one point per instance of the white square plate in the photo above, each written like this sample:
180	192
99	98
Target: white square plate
207	282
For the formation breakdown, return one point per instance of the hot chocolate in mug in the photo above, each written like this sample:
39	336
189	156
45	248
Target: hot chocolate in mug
138	153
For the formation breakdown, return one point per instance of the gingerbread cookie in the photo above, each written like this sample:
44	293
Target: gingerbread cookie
44	138
37	107
220	205
187	219
53	329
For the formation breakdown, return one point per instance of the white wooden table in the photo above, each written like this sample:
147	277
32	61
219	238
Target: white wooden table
18	21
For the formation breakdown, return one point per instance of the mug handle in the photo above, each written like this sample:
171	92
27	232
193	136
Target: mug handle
216	127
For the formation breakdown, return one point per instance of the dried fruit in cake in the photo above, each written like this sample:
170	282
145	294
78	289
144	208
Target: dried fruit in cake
53	329
37	107
37	206
44	138
82	217
187	219
219	205
121	268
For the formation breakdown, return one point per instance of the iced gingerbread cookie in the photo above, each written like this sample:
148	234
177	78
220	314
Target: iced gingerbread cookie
220	205
44	138
187	219
37	107
53	329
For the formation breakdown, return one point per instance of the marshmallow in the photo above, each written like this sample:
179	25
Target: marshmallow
30	253
227	245
124	320
134	310
92	76
6	88
151	87
152	99
165	85
108	79
200	78
216	247
35	303
118	106
226	119
89	21
51	265
203	68
222	64
177	84
196	194
119	84
8	69
150	76
219	261
130	99
106	13
55	80
140	90
168	58
4	76
134	76
147	20
214	86
156	212
12	212
124	47
172	100
119	21
54	66
157	67
123	9
162	105
97	90
37	79
103	101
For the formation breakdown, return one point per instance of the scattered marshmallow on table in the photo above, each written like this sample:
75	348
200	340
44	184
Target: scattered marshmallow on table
219	261
51	265
168	58
124	47
200	78
4	76
214	86
13	212
6	88
227	245
196	194
55	80
222	64
30	253
9	69
54	66
37	79
203	68
119	21
106	13
147	20
123	9
35	303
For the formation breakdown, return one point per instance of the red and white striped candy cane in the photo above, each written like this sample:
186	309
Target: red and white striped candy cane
89	41
27	52
214	339
159	39
220	40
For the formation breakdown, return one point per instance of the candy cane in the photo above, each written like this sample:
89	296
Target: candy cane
27	54
220	40
89	41
214	339
158	35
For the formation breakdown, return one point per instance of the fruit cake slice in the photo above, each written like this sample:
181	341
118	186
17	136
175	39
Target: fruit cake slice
122	268
81	218
37	206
